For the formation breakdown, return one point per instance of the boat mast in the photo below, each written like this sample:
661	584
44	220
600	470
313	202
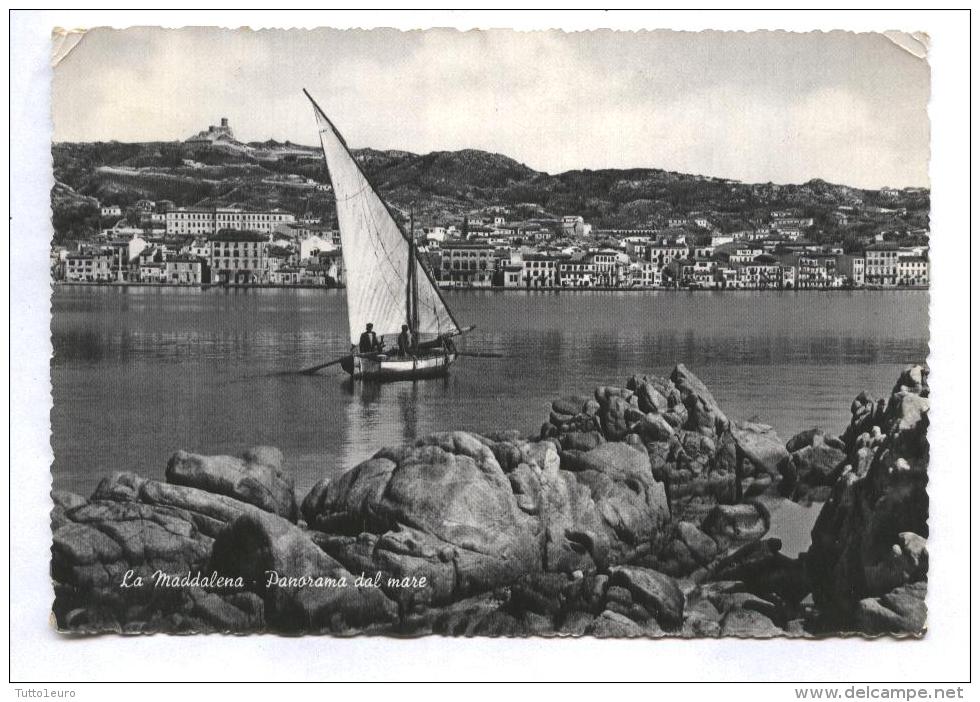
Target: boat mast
412	298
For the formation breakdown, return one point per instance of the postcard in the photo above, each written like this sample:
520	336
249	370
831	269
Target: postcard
490	333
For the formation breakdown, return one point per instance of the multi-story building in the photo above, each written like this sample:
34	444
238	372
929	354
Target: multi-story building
780	223
197	221
467	265
702	252
153	272
761	274
645	274
199	247
239	257
539	271
110	211
183	270
852	266
912	270
90	267
744	254
190	221
697	274
814	270
726	275
577	272
611	267
881	264
664	252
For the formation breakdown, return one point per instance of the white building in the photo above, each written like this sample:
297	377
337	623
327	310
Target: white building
313	245
196	221
646	274
435	234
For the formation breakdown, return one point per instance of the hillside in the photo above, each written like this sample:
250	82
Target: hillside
441	186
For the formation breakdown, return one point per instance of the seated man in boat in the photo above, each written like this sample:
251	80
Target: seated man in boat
406	342
369	340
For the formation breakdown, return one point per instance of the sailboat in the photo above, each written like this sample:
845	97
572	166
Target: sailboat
388	285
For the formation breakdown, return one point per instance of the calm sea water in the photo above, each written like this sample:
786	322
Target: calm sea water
138	373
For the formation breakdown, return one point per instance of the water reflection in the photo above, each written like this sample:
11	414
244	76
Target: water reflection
139	373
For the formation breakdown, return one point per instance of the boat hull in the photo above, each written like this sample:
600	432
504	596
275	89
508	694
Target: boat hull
384	368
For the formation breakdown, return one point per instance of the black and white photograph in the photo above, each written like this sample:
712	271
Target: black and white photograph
449	334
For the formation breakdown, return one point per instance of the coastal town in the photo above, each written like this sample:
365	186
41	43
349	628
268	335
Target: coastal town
746	238
233	246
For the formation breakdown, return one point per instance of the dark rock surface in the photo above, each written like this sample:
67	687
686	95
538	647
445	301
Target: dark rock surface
256	478
869	540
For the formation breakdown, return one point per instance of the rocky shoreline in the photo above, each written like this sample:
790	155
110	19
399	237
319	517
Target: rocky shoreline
638	510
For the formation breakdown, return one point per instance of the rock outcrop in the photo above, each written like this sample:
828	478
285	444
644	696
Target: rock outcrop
447	508
138	556
256	478
641	510
701	456
868	560
814	464
303	589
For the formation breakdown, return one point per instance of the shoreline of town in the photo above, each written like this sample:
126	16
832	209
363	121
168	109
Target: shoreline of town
554	288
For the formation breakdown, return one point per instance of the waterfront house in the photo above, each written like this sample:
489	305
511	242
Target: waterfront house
239	257
317	274
727	275
538	270
881	264
761	273
90	267
577	272
152	272
183	269
697	274
851	266
817	270
287	275
465	265
510	275
645	274
611	267
912	270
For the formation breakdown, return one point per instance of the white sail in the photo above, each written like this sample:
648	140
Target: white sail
376	251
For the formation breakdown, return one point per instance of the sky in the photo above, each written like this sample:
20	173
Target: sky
757	107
